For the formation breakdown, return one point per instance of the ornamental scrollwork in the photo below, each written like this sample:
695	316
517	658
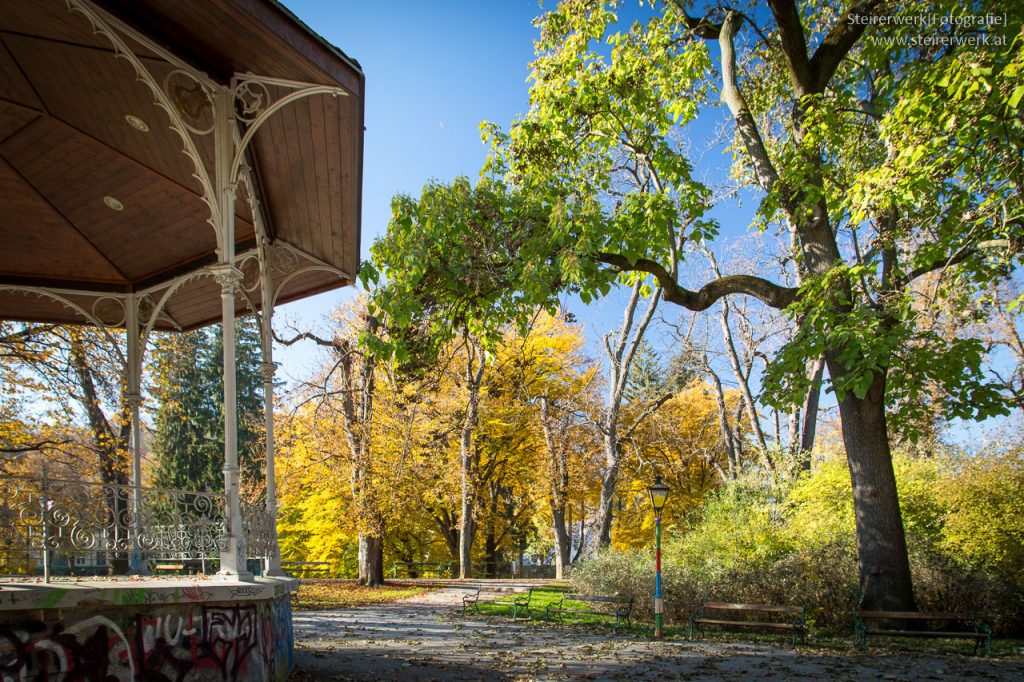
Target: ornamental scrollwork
73	518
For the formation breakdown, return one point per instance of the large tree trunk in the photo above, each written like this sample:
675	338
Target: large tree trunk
562	542
371	561
885	580
466	526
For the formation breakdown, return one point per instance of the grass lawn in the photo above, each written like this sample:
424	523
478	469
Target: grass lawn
316	594
542	596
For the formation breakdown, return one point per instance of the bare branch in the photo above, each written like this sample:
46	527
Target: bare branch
648	410
305	336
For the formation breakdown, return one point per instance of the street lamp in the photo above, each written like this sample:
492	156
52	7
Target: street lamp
659	494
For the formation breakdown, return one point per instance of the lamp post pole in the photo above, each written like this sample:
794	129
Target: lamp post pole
657	576
659	494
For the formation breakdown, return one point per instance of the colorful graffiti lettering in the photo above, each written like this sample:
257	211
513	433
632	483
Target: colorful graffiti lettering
245	642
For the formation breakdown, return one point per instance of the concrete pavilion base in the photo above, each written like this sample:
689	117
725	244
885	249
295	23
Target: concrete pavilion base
188	630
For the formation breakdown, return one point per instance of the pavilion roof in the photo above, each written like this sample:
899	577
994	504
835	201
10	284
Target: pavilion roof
98	198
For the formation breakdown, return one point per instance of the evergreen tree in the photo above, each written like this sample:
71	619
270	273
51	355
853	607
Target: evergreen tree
189	439
647	379
681	370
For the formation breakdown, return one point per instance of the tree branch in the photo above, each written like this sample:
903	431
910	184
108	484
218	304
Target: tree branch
733	98
794	44
700	27
838	42
769	293
648	410
12	449
959	257
309	336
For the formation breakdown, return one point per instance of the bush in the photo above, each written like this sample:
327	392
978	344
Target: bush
628	573
793	542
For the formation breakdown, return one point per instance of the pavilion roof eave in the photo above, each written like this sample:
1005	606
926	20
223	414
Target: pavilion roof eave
293	275
64	153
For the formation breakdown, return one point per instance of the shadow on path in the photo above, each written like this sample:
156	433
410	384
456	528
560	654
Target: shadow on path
426	638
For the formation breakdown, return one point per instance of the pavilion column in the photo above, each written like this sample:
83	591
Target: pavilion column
133	377
267	369
232	556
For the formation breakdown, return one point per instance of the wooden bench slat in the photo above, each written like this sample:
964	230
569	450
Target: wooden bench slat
926	633
718	616
747	623
913	615
770	608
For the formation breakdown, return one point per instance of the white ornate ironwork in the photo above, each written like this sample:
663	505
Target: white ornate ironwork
258	529
42	515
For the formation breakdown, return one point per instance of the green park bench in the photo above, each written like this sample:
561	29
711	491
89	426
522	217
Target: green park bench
917	624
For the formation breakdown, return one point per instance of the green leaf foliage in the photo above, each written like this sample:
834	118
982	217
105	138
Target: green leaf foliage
461	259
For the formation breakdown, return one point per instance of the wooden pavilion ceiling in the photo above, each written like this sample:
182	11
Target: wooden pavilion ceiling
68	149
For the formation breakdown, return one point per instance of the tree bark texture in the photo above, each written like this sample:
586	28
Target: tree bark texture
562	542
885	580
371	560
467	528
555	430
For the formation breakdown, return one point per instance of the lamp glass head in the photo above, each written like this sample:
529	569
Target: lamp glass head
659	494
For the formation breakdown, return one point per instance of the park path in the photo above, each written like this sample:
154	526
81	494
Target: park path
426	638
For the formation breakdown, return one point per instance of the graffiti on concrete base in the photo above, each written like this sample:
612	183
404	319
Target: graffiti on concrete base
174	644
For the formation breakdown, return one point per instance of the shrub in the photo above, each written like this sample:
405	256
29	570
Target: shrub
628	573
759	540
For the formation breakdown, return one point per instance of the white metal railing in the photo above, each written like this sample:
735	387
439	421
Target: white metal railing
45	519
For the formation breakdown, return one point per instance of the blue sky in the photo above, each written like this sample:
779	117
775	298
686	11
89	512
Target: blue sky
434	71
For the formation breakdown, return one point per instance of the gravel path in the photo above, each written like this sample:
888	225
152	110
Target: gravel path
426	638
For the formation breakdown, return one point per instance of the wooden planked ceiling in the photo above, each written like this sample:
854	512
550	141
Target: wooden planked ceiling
67	146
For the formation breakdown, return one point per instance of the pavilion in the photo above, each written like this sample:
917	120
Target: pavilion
169	164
